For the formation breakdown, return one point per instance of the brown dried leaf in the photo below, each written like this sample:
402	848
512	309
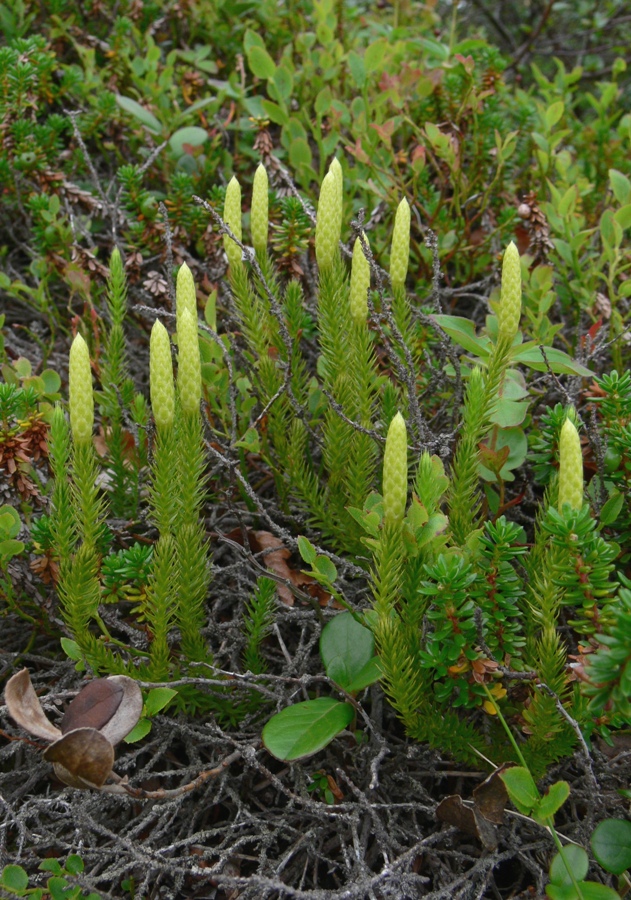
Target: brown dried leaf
453	811
24	706
127	713
491	796
82	758
93	706
276	561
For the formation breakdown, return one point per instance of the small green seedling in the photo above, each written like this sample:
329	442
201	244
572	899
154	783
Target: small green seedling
321	786
348	653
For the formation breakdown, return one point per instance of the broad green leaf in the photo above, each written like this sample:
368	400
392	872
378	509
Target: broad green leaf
373	57
15	878
10	548
252	39
346	647
74	864
71	649
552	801
283	82
370	674
357	69
140	730
574	857
51	864
294	130
10	522
324	567
261	63
462	331
521	788
620	185
611	509
275	112
568	201
509	413
622	216
435	48
529	355
52	381
323	100
143	115
554	113
307	551
304	729
22	366
192	134
611	843
300	153
157	699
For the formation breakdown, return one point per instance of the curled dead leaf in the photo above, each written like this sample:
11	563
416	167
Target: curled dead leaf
82	758
101	715
24	706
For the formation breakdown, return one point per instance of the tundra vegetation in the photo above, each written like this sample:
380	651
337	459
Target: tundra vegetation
315	436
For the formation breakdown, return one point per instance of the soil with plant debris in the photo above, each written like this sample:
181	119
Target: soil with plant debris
257	829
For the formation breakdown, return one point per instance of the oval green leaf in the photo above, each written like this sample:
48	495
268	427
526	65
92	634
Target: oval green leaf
530	355
261	63
157	699
304	729
139	112
192	135
300	153
612	508
462	331
14	878
611	843
346	647
573	857
552	801
140	730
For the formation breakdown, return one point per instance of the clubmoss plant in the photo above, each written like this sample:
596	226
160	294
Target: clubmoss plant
174	595
232	218
480	403
467	605
328	222
259	213
360	284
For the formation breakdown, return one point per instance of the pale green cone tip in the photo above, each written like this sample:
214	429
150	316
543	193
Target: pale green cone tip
509	310
395	471
116	264
259	214
185	297
232	218
328	222
400	250
80	390
161	377
189	373
570	467
360	283
336	170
